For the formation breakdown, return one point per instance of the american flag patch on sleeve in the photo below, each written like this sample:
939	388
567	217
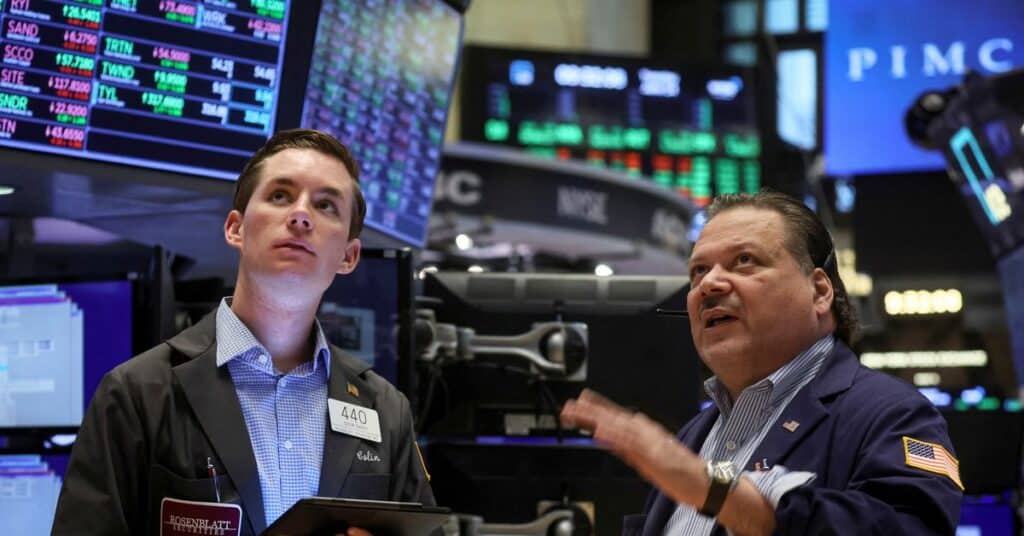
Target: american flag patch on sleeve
932	457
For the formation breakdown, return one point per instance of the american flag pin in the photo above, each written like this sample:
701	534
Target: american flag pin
791	425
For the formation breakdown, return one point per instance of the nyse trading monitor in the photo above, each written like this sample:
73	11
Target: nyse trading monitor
57	340
142	82
689	129
380	80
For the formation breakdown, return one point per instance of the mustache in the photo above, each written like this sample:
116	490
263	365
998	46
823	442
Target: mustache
710	302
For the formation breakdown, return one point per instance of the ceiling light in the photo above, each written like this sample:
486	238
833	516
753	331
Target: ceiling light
603	270
463	241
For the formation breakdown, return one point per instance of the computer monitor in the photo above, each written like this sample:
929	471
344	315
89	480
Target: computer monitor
639	359
29	487
143	83
57	340
380	79
368	313
169	89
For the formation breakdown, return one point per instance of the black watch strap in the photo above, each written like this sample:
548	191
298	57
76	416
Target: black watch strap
723	478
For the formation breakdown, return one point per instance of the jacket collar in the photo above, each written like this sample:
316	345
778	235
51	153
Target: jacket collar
211	393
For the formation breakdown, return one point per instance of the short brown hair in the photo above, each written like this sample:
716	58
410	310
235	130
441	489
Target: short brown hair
302	138
807	240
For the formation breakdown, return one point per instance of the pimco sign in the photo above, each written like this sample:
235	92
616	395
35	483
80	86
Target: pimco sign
881	54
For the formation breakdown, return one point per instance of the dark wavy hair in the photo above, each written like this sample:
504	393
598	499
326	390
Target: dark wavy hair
302	138
807	240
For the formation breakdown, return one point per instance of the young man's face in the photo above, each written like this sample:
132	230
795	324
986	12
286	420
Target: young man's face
752	306
295	227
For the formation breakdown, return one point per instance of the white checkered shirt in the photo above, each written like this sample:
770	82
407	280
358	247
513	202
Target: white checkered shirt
286	414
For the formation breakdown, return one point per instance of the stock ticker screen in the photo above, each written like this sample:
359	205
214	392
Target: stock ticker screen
380	80
689	129
142	82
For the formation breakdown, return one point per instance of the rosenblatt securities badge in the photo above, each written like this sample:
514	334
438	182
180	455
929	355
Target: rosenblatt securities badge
192	518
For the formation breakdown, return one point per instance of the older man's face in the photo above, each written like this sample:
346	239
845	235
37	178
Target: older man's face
751	305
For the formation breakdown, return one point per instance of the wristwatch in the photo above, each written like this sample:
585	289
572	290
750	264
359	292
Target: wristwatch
723	477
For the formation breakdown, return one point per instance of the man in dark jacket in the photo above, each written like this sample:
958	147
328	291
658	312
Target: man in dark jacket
251	409
801	439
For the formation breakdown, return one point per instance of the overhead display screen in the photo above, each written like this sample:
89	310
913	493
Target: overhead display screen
690	129
380	80
881	55
175	85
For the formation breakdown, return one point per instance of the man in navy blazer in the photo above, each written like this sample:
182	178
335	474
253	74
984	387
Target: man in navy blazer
801	439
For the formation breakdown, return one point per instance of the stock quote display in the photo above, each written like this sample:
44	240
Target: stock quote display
689	130
167	84
380	80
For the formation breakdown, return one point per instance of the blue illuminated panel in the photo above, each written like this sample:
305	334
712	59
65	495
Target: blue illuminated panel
882	54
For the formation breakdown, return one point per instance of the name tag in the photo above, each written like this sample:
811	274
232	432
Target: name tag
353	420
189	518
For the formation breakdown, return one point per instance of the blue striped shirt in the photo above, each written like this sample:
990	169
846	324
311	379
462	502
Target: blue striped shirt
285	414
742	426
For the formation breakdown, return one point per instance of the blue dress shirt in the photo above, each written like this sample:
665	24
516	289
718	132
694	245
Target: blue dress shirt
742	426
285	414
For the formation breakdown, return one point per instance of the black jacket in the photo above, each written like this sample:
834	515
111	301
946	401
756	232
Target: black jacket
155	420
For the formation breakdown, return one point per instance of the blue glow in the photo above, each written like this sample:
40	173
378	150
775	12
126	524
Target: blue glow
816	15
797	88
520	72
957	143
743	53
811	203
972	396
725	89
741	18
846	196
696	226
781	16
938	398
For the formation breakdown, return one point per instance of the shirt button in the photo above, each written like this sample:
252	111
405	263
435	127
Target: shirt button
263	359
283	382
288	444
730	445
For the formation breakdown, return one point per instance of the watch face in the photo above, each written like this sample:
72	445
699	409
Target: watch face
724	471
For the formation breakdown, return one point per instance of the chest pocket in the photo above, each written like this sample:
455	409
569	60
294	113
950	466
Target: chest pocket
165	483
373	486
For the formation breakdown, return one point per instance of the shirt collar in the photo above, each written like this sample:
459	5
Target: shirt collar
235	339
778	382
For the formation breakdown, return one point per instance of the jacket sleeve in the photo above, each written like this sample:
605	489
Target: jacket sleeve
884	494
103	492
410	480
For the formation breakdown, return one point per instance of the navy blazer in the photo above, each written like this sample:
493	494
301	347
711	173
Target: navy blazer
852	421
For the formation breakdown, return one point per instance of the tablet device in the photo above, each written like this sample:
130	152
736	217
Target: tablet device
327	515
